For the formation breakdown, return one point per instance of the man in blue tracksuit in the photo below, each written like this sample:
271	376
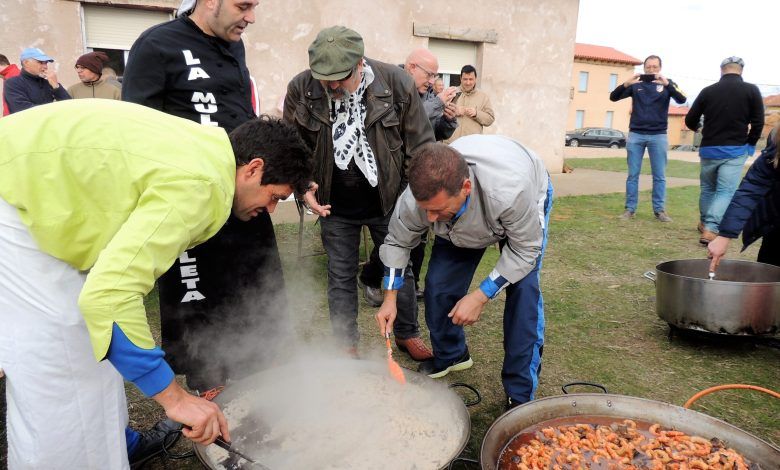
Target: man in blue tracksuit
480	190
733	120
647	130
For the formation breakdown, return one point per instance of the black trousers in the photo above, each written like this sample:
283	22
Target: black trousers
223	305
374	270
341	240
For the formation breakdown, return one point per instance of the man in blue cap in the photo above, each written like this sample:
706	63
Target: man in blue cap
36	85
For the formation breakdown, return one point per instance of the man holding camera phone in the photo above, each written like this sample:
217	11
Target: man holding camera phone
650	94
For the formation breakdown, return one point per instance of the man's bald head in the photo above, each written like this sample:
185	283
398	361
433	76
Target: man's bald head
422	65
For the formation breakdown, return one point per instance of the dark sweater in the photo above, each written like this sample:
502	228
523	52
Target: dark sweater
649	105
728	106
178	69
26	90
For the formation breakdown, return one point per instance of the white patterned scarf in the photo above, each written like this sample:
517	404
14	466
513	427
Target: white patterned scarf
349	130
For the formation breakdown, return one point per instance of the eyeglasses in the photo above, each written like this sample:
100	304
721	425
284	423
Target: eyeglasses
428	75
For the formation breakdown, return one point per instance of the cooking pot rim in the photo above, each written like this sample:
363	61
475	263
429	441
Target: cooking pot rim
607	401
659	268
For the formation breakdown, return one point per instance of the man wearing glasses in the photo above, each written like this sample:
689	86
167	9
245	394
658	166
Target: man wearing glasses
422	66
365	120
36	84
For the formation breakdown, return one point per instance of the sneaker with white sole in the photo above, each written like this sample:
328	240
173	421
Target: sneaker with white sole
429	368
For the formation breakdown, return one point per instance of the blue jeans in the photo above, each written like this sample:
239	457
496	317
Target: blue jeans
719	180
450	271
656	145
341	240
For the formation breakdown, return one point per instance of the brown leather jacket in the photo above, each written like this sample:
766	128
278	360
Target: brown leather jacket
396	126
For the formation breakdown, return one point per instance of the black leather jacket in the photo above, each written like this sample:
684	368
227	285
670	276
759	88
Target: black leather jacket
396	126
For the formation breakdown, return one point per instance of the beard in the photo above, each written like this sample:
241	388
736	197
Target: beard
339	93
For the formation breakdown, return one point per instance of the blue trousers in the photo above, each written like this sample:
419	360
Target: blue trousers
450	271
656	145
719	181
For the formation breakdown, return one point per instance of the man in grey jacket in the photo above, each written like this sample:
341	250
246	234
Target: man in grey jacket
480	190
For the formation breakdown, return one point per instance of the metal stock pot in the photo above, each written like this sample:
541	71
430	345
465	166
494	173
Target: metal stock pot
743	298
580	406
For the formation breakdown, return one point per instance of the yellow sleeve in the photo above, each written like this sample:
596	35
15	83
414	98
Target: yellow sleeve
168	219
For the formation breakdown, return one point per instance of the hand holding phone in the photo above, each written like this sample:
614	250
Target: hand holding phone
647	77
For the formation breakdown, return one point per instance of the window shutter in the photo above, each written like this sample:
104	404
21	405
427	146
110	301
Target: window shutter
453	55
118	28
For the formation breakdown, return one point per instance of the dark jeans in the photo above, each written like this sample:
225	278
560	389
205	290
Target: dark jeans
373	271
341	240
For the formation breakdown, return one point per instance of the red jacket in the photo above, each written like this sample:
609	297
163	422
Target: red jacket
8	72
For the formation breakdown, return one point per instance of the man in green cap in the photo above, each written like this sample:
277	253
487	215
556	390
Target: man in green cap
365	120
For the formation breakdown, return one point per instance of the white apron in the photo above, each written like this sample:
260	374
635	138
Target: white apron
65	410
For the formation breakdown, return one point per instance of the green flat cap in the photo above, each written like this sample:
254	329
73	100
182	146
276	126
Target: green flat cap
334	53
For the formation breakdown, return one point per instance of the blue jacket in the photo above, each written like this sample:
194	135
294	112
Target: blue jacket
649	105
26	90
755	208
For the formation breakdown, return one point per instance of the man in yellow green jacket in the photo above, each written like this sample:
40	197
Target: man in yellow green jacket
97	200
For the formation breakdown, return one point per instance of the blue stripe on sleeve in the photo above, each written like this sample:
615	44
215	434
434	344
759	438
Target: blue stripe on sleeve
146	368
394	279
493	284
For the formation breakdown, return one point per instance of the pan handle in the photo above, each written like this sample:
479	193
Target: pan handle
650	275
729	387
475	401
589	384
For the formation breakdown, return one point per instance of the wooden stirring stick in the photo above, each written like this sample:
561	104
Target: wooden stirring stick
395	370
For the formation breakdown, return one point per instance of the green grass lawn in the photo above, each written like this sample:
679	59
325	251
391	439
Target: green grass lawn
600	313
674	168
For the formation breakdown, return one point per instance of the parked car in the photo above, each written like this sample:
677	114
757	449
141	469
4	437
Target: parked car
596	137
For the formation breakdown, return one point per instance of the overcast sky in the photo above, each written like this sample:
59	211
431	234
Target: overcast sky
692	37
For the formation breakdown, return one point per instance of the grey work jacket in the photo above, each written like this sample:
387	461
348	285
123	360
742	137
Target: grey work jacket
509	189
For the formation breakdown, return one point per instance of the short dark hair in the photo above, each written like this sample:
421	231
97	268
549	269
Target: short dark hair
468	69
660	63
434	168
4	60
287	159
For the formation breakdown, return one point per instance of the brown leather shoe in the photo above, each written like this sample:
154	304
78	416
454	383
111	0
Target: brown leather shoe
707	237
415	348
700	227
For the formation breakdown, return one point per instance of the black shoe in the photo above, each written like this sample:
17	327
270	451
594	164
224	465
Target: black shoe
511	403
373	296
419	294
462	363
164	434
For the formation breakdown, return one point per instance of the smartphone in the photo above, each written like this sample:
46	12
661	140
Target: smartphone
647	77
457	95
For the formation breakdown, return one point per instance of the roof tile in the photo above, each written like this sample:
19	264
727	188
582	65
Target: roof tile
609	54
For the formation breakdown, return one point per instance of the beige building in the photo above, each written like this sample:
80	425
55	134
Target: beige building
771	114
677	132
596	72
522	50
